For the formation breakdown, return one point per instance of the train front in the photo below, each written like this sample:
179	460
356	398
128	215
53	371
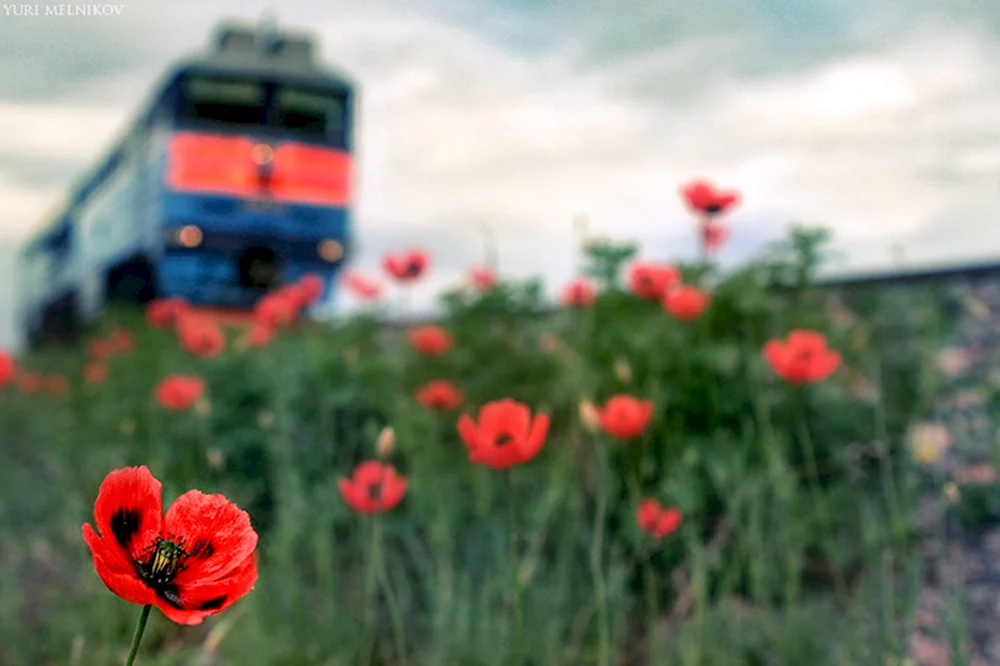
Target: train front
257	185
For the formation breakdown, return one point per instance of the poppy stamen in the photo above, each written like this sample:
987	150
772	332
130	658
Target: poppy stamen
375	491
164	563
503	439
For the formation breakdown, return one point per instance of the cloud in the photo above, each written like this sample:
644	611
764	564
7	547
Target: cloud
880	122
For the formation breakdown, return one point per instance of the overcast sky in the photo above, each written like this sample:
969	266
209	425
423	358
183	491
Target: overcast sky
878	119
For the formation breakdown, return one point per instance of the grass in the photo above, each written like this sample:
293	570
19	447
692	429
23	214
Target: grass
795	547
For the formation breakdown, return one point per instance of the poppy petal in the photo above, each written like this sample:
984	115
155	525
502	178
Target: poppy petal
216	533
777	355
824	366
393	490
355	496
196	601
369	473
469	432
116	575
646	514
533	443
129	511
669	520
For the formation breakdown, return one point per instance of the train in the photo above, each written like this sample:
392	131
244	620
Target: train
234	178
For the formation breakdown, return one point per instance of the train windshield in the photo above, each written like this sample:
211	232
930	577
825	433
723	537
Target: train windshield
307	114
317	114
217	101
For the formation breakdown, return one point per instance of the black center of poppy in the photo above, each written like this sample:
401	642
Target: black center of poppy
713	208
161	562
646	281
412	269
375	491
502	439
159	567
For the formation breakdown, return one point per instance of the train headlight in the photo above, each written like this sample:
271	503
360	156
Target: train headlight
188	236
262	154
330	250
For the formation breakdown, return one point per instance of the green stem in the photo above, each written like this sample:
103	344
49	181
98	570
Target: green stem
514	573
810	453
897	517
137	637
390	598
648	579
370	588
596	555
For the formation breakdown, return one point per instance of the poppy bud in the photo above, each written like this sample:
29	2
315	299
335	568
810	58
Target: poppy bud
589	416
623	371
386	442
215	458
265	419
203	407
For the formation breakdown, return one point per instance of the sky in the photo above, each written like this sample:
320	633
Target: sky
877	119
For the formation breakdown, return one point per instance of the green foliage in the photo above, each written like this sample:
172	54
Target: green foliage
728	445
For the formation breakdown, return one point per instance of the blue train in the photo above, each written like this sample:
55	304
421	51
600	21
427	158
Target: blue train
236	177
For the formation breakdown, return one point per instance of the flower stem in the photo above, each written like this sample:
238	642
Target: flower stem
370	610
137	637
596	555
390	597
820	499
514	573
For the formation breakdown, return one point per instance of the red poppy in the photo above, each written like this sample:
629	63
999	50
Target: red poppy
579	293
29	383
439	394
101	349
312	287
803	358
8	369
196	561
260	336
430	340
297	296
649	280
658	521
201	337
703	197
277	310
165	313
178	392
373	488
713	235
122	340
686	302
96	373
483	278
363	289
506	435
56	384
406	266
625	417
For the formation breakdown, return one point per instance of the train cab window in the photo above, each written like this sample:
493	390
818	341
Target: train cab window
220	100
312	114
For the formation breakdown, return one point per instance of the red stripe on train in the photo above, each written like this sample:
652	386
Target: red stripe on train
221	164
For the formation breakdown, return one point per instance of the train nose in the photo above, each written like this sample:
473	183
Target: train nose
259	268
